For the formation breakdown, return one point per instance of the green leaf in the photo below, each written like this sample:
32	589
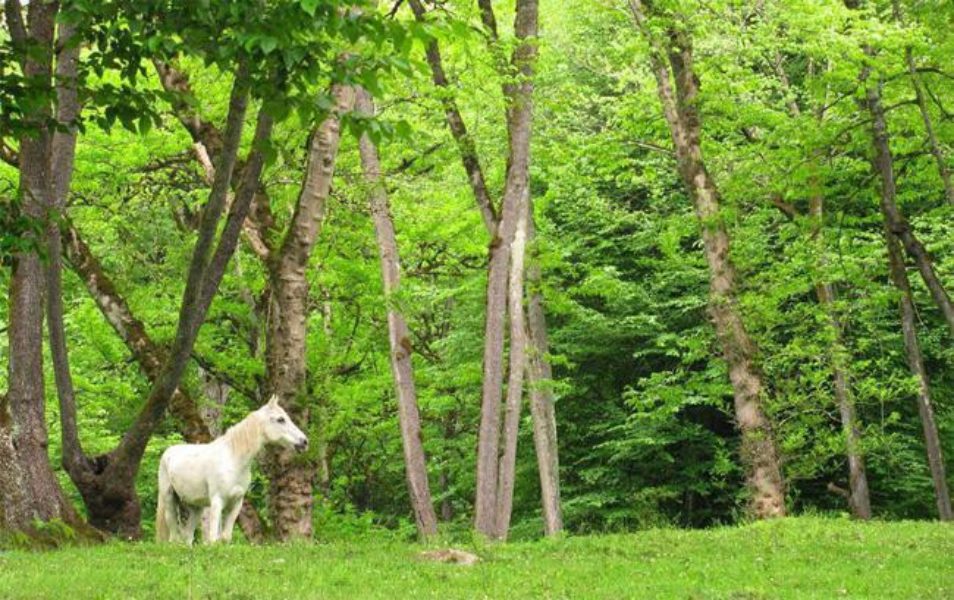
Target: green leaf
310	6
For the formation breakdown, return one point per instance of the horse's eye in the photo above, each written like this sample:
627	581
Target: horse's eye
281	420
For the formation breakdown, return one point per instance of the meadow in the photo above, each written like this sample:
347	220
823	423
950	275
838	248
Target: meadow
792	558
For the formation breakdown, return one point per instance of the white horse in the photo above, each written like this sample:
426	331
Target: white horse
215	476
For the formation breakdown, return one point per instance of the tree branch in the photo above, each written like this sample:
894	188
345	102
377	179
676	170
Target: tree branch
455	122
787	209
225	378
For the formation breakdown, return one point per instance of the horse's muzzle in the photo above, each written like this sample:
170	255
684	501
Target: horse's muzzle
302	445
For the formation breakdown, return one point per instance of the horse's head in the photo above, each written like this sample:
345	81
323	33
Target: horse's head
278	427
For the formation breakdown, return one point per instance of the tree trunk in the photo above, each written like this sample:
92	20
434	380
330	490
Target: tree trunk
858	498
16	510
759	454
63	152
519	121
184	409
932	441
501	230
399	335
107	482
35	493
291	478
518	366
542	409
897	224
884	165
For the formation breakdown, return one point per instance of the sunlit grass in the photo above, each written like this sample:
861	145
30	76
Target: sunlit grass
794	558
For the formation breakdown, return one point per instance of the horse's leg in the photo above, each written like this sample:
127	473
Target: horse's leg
231	515
167	517
206	516
215	518
188	531
167	525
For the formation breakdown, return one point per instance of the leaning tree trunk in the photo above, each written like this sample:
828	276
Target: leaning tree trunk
858	497
932	440
540	379
30	490
884	166
759	454
184	408
399	335
518	366
107	482
291	478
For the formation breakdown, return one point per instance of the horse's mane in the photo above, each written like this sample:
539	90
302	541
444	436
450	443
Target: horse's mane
245	437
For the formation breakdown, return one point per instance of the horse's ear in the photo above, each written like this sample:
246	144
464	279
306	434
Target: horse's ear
273	401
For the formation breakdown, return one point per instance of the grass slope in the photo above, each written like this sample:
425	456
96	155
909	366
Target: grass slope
793	558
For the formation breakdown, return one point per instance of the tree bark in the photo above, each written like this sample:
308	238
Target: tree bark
30	489
518	365
519	121
291	478
399	335
759	454
540	380
883	163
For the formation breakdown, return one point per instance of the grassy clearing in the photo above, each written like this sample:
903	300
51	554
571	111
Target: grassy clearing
795	558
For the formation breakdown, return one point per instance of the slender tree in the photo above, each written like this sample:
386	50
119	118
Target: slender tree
671	59
542	409
517	368
883	163
858	497
399	335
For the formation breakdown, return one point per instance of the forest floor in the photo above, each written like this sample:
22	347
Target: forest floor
793	558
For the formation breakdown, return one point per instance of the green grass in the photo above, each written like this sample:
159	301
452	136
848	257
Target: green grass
794	558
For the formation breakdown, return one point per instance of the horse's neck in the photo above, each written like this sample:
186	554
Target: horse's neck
245	439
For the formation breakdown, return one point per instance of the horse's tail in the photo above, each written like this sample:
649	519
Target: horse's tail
165	496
